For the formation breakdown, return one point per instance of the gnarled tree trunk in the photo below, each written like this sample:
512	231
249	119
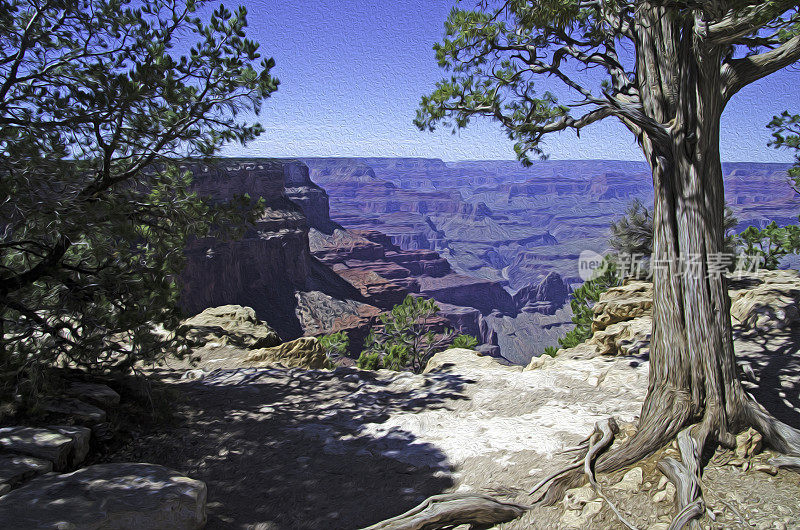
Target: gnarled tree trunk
693	379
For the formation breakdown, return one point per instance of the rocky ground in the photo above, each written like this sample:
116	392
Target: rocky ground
259	444
344	448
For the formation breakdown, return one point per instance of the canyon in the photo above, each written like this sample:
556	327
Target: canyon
495	244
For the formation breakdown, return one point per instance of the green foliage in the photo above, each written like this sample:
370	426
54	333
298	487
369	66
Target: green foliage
467	342
370	360
334	344
96	107
786	135
404	340
771	243
551	351
499	54
583	300
632	234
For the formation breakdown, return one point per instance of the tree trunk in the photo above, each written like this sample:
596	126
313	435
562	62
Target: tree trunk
693	378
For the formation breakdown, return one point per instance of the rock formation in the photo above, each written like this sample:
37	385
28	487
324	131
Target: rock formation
141	496
761	302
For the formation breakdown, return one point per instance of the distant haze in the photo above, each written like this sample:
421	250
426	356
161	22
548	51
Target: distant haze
352	73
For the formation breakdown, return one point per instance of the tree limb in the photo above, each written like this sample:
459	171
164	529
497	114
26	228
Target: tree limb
738	73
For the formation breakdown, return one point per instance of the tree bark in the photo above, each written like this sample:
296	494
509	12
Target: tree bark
693	379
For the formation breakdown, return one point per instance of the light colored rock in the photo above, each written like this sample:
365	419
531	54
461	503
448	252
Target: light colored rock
305	352
631	481
39	443
665	495
230	324
581	505
108	496
580	520
577	498
75	409
748	443
624	338
766	468
773	304
456	358
626	302
16	469
540	362
100	395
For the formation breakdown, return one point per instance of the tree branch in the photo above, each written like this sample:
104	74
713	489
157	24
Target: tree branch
738	24
738	73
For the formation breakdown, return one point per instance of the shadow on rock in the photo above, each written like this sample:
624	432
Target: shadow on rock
290	448
775	378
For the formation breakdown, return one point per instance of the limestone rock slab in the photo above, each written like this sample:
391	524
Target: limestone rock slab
108	496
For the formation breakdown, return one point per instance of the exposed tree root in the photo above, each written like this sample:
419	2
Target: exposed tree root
686	477
775	433
597	442
446	511
789	462
658	429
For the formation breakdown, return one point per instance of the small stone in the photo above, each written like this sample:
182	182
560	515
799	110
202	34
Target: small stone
631	481
80	438
101	395
75	409
766	468
748	443
577	498
665	495
581	519
662	482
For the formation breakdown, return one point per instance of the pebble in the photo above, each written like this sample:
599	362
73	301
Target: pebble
766	468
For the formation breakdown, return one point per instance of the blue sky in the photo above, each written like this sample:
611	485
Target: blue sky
352	74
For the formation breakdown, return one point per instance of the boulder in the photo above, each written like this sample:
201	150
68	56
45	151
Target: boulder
98	394
231	324
64	446
631	337
16	469
108	496
772	304
76	409
626	302
452	359
305	352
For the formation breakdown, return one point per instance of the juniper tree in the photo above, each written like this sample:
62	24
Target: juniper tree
99	100
668	68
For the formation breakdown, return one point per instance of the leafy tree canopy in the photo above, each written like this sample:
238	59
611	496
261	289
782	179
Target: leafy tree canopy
96	106
500	52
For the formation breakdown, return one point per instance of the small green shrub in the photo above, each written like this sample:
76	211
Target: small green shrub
583	300
551	351
770	244
403	340
335	344
467	342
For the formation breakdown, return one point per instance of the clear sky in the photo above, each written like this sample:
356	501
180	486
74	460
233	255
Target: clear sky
352	73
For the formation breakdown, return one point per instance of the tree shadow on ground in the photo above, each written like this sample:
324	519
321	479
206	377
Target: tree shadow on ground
291	449
774	357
